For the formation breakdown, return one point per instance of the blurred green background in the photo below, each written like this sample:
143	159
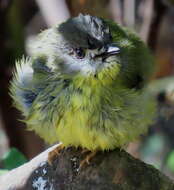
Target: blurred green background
152	20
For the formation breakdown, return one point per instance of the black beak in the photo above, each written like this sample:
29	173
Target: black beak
110	50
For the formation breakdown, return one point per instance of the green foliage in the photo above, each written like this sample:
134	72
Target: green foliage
12	159
170	161
3	171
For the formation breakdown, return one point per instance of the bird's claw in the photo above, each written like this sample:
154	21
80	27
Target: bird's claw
87	159
54	153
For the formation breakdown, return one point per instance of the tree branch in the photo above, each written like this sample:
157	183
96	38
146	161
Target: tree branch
110	170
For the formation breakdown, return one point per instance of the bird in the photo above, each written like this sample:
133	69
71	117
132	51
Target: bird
84	85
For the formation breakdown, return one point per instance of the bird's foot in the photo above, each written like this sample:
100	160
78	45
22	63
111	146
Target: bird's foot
54	153
84	151
88	158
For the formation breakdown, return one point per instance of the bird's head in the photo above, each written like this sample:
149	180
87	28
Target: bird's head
88	46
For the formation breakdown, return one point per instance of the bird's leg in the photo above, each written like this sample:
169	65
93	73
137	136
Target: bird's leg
84	151
88	158
54	153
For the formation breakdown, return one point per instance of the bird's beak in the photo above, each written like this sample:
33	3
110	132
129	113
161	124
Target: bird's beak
110	50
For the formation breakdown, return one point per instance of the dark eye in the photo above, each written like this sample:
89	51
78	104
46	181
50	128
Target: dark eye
80	54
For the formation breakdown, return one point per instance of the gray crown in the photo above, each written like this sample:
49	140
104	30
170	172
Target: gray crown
86	31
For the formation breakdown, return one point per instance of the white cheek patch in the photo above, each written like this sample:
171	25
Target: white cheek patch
88	65
84	66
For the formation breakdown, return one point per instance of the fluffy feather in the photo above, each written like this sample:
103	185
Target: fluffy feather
89	102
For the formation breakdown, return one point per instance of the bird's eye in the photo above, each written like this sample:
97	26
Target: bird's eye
80	54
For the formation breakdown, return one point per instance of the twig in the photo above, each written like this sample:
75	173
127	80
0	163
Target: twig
129	13
147	15
53	11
